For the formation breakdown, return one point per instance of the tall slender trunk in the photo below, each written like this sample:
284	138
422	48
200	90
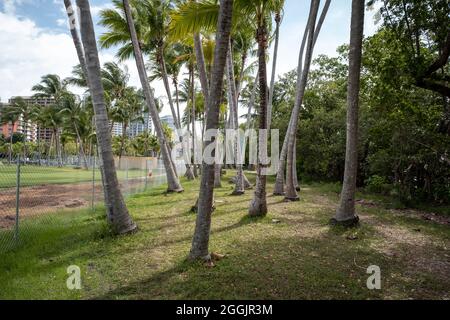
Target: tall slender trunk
82	60
165	77
117	212
172	179
201	66
11	142
200	242
50	147
188	155
258	206
279	189
81	146
346	211
274	68
76	38
249	114
279	181
302	78
194	131
239	186
58	147
177	97
122	142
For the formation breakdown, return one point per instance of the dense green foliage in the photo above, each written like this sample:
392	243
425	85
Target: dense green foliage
402	150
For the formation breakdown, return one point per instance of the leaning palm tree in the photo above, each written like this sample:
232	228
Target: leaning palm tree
152	21
200	242
345	214
118	216
172	178
288	152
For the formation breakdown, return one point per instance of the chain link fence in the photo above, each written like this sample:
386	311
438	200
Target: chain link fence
33	192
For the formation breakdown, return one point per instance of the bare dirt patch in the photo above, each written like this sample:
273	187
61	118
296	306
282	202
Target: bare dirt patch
49	199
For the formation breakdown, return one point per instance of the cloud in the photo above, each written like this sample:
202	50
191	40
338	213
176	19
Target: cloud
29	52
61	22
95	10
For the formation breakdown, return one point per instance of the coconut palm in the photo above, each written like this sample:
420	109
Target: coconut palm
345	214
51	86
9	116
73	112
172	178
23	109
200	242
309	40
152	20
118	216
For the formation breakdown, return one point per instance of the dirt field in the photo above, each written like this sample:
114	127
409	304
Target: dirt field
48	199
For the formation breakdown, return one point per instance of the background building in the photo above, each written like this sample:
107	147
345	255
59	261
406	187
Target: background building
139	127
169	121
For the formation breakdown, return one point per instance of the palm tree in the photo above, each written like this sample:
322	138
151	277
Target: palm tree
118	216
262	9
51	86
274	62
345	214
172	178
152	21
200	242
289	146
76	38
23	109
73	111
127	110
52	119
233	101
9	116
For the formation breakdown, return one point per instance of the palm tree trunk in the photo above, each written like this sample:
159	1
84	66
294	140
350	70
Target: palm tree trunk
201	66
75	37
274	67
58	147
302	78
279	181
239	185
258	206
200	242
249	116
346	212
81	147
11	142
172	179
279	189
194	131
165	77
122	142
117	212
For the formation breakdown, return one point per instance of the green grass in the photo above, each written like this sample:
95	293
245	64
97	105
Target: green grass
299	258
37	175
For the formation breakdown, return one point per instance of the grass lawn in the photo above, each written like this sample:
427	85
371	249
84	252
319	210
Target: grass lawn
300	257
36	175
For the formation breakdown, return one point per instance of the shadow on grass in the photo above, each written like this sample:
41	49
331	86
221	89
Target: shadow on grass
273	268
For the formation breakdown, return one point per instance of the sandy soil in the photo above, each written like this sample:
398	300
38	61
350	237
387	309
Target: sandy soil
47	199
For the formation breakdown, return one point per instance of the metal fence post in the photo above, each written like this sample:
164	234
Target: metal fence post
16	231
